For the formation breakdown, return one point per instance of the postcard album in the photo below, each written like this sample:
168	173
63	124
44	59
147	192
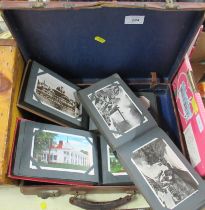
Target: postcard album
148	155
55	153
118	114
50	96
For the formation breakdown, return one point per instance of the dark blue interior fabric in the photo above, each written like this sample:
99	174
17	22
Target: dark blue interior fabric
63	40
165	108
168	117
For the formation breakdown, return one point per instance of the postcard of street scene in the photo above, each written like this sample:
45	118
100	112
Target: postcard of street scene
116	108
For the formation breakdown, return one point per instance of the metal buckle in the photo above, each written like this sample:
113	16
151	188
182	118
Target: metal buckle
39	4
170	5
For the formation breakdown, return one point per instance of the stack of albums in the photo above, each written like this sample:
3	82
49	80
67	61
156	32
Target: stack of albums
55	154
148	155
50	96
49	153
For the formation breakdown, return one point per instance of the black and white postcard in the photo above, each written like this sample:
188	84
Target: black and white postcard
149	101
164	172
57	95
117	109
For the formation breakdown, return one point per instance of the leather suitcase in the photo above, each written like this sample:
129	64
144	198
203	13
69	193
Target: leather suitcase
179	26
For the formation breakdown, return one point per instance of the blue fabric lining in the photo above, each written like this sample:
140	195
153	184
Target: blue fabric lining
168	117
63	40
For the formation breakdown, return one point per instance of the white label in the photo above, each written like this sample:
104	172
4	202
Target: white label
192	146
133	19
199	123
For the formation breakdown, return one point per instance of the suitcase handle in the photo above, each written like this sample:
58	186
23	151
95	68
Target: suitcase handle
108	205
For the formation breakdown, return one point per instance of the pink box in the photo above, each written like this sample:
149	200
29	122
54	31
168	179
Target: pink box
192	115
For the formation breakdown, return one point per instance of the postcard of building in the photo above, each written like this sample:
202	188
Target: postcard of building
51	96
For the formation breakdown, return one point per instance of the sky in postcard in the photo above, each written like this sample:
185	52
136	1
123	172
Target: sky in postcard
78	142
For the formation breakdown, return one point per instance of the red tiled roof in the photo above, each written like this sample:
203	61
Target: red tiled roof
59	146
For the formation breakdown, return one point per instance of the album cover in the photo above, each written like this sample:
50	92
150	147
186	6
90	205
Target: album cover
54	152
119	115
47	94
149	100
161	172
112	170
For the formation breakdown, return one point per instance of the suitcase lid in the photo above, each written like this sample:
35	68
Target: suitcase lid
93	42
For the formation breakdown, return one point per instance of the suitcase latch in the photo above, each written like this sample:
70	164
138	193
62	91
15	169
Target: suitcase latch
170	5
39	4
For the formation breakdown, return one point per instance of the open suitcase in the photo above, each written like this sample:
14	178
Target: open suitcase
86	41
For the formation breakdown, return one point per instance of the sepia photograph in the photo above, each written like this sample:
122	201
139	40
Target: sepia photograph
62	152
117	109
57	95
114	165
165	173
